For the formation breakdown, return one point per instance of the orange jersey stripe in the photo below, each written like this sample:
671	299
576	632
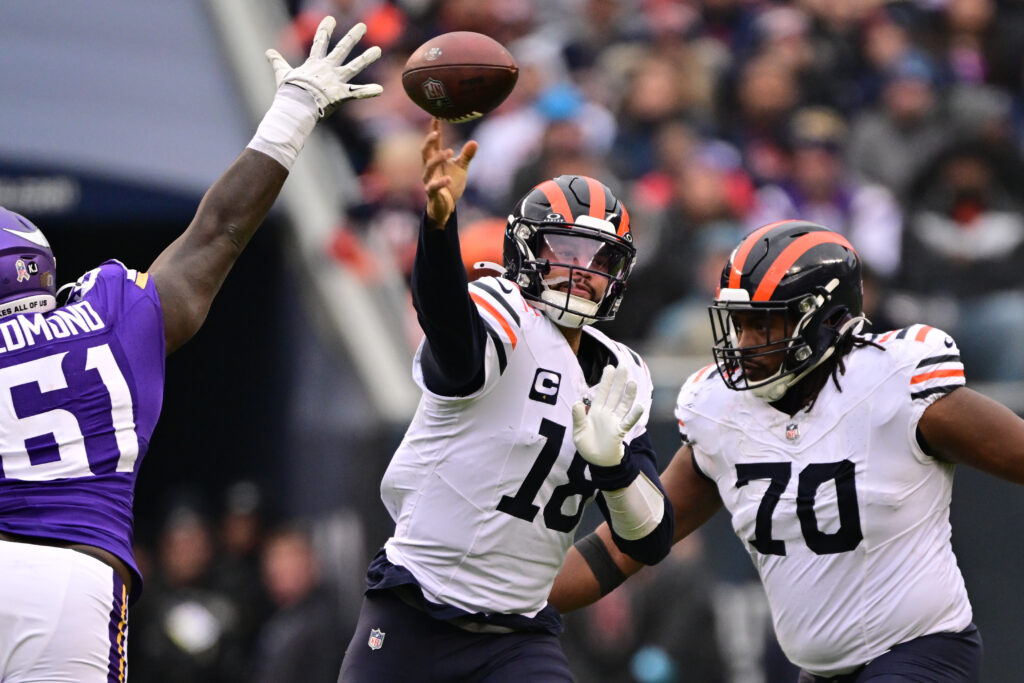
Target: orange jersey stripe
887	336
744	250
703	371
923	333
557	200
935	374
597	202
789	256
483	303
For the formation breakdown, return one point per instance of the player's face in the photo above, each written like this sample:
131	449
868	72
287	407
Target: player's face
563	251
760	337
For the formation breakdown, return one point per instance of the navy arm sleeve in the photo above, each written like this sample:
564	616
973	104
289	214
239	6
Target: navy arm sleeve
453	354
653	547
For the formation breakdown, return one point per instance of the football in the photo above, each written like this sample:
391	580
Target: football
459	76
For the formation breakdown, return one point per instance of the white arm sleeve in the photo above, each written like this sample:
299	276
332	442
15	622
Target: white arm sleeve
636	510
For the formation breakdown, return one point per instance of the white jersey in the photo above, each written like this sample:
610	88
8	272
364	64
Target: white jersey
486	490
845	517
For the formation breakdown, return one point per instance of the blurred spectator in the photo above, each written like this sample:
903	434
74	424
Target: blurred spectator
965	229
682	328
753	112
820	190
304	639
890	142
236	569
511	136
708	186
186	629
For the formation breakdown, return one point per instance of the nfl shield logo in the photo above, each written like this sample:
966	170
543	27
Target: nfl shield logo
376	639
792	431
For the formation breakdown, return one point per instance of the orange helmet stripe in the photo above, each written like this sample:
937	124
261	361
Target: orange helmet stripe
623	222
597	202
557	200
789	256
736	272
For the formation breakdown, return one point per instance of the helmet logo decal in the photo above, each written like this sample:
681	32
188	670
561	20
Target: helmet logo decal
22	271
789	256
35	237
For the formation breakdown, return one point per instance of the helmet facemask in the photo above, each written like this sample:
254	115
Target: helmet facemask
814	325
575	272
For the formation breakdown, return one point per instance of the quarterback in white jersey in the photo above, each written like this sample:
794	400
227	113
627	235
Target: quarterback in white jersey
527	415
833	452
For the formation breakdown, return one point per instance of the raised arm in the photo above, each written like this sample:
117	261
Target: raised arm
453	358
970	428
595	566
190	271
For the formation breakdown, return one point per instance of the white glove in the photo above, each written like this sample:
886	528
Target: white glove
322	74
598	433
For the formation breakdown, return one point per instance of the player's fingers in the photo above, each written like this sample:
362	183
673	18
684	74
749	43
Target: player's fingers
322	37
632	417
433	164
579	418
369	56
626	398
618	384
467	154
277	63
361	92
345	45
604	386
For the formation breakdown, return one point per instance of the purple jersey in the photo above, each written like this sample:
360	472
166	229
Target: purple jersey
80	393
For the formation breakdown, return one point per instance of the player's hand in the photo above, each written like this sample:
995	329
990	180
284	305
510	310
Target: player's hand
322	74
598	432
444	174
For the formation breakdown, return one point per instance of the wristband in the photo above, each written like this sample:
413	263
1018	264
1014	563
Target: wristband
286	125
616	476
602	566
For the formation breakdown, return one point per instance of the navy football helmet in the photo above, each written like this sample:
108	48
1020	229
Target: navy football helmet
27	267
575	224
805	271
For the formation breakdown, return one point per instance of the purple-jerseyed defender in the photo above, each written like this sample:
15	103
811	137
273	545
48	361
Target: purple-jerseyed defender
81	387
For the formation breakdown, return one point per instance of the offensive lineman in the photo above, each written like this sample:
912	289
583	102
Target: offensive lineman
487	488
81	387
833	453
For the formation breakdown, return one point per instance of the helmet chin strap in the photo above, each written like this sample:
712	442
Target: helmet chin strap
568	310
773	390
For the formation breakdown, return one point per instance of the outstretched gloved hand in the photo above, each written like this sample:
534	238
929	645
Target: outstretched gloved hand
322	74
599	431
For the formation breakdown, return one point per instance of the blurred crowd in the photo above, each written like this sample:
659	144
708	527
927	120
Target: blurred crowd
899	124
234	595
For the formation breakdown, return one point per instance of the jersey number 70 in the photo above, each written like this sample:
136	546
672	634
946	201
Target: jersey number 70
811	478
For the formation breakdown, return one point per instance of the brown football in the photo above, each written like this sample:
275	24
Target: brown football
459	76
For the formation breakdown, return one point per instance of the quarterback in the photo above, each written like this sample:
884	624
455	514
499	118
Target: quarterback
833	452
81	386
526	414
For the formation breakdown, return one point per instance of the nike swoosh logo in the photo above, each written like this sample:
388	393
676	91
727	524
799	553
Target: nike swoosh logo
501	286
35	237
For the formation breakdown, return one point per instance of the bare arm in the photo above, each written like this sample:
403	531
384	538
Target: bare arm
970	428
694	500
190	271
